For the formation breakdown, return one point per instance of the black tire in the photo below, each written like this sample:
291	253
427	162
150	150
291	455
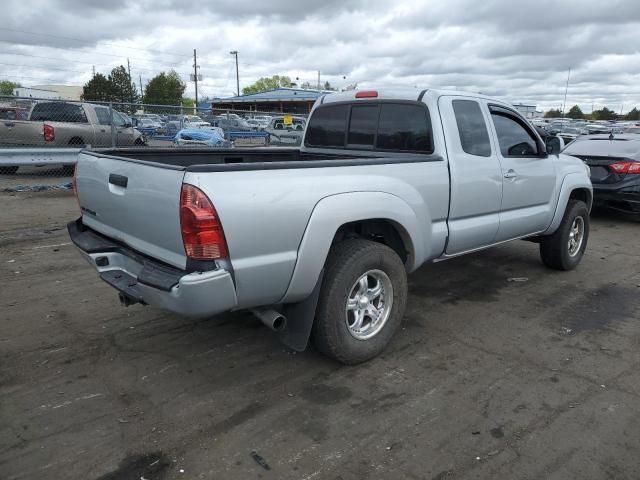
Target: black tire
8	170
555	250
139	142
67	170
347	262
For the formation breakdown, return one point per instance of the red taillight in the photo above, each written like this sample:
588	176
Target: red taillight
625	167
49	133
367	94
202	233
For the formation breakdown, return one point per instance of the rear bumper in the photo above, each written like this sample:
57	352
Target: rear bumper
625	198
142	279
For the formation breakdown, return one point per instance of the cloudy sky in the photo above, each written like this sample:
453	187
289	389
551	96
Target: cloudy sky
518	50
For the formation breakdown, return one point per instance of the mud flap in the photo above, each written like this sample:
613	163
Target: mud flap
300	318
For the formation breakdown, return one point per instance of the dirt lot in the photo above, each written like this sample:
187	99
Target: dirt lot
489	378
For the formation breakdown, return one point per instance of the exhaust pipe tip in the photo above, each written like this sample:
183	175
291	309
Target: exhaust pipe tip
271	318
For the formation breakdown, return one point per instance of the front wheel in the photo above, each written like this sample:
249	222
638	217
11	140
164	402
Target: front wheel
565	248
362	301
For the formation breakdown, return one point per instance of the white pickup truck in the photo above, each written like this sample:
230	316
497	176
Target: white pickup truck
318	241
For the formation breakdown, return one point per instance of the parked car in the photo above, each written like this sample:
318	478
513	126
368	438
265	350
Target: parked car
194	121
231	124
281	133
615	168
596	128
56	124
255	124
319	240
201	137
149	126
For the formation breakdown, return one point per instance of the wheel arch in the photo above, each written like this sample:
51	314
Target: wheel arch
378	216
574	186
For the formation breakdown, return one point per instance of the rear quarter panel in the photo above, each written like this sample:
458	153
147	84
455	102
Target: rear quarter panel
265	213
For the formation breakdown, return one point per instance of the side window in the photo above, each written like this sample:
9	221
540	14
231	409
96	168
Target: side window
8	115
72	113
472	128
118	120
404	127
327	126
103	115
514	139
362	126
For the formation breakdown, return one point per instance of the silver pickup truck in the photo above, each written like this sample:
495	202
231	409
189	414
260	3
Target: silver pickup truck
318	241
60	124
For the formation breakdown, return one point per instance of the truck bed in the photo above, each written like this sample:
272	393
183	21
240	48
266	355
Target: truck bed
216	159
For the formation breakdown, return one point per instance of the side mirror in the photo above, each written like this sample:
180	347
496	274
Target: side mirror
554	145
128	125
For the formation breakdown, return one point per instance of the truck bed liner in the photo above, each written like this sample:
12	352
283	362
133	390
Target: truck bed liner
216	159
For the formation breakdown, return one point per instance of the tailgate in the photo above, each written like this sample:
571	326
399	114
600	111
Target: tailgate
137	203
21	132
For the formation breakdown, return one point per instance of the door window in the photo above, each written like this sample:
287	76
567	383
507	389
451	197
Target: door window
514	139
472	128
102	113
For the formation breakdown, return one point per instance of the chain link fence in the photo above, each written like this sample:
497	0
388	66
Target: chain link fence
40	137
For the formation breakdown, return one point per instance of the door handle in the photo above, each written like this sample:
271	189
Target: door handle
118	180
510	174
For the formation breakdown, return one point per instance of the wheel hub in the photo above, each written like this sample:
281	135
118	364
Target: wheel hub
369	304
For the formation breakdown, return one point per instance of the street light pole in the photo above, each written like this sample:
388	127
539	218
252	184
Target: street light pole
235	52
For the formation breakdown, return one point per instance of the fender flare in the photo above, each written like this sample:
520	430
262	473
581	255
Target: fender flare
571	182
331	213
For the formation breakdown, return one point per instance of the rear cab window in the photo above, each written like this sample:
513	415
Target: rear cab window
59	112
372	125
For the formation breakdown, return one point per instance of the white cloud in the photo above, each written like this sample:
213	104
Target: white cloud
517	50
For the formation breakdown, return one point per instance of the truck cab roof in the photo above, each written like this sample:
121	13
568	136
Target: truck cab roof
410	94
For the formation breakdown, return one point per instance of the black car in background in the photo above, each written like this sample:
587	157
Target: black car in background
615	168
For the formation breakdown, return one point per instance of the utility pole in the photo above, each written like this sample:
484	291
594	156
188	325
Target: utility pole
141	92
130	82
195	76
93	70
566	88
318	80
235	52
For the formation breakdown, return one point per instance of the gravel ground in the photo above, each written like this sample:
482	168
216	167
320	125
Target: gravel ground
488	378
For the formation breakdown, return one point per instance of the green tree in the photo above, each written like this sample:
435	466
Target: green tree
98	89
604	114
327	86
575	112
7	87
166	88
633	114
263	84
123	90
553	113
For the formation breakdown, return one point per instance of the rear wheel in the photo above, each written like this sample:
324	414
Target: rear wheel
362	301
564	249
